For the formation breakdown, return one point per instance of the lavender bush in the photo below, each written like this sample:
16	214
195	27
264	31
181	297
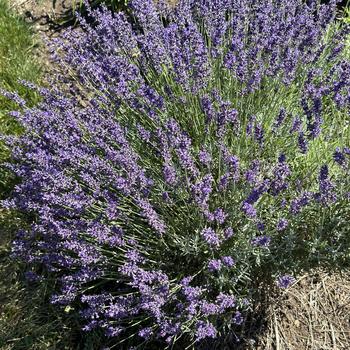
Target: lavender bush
187	157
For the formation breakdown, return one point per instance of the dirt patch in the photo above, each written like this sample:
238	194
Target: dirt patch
46	16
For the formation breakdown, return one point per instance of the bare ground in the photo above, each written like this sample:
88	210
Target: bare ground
314	314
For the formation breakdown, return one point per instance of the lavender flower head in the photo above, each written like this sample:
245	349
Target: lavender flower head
210	236
261	241
214	265
205	330
285	281
228	261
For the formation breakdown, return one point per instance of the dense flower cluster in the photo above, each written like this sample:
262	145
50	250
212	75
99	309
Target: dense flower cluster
177	167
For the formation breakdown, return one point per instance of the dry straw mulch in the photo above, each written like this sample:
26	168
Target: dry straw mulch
314	314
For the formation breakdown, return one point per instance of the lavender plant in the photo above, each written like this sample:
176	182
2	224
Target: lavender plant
187	157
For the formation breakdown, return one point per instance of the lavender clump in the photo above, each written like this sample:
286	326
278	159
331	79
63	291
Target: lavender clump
151	172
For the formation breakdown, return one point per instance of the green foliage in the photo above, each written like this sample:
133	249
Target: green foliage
16	62
27	319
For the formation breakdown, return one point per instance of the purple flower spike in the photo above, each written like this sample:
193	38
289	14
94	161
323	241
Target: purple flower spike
145	333
225	301
260	226
228	261
339	157
228	232
249	210
237	318
282	224
31	276
205	330
220	216
280	118
204	157
302	143
214	265
261	241
211	237
326	193
285	281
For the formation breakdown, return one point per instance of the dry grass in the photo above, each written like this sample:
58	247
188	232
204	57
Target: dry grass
314	314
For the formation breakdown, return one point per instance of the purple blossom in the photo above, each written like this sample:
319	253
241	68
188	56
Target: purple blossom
281	172
186	281
233	165
220	216
253	172
225	301
204	157
134	256
208	109
298	203
339	157
152	217
280	118
228	261
202	190
260	226
208	308
302	142
113	331
259	134
192	293
145	135
326	193
250	125
281	224
205	330
169	174
249	210
145	333
228	232
166	197
210	236
224	181
31	276
214	265
285	281
261	241
296	125
237	318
